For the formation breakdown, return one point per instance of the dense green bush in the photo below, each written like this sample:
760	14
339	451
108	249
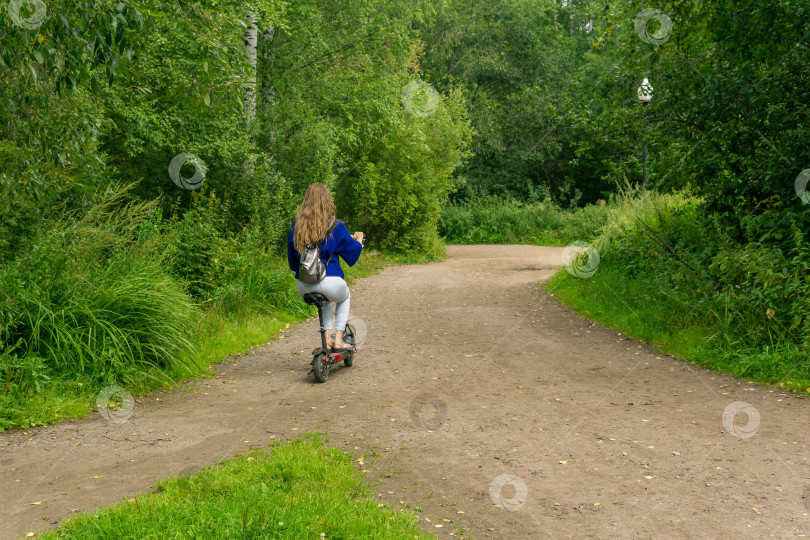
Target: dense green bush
397	191
196	246
89	304
757	292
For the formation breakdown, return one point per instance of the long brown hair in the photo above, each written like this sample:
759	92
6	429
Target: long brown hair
314	216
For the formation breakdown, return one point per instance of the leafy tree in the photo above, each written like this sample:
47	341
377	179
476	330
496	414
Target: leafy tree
52	57
333	110
729	114
515	61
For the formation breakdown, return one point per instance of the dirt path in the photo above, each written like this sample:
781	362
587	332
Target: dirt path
575	431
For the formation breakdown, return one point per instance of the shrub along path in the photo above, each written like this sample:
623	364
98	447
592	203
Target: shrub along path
469	372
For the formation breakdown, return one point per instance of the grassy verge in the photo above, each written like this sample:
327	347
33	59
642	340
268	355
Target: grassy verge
218	336
684	282
644	312
219	332
634	309
295	490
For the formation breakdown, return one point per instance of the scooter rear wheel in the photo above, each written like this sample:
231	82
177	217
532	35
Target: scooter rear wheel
319	367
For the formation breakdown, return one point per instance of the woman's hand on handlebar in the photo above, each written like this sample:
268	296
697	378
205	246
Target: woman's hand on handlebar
360	237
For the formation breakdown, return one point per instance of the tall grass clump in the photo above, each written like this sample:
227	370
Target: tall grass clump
90	302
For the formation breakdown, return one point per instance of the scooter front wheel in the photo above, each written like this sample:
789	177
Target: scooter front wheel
319	367
348	337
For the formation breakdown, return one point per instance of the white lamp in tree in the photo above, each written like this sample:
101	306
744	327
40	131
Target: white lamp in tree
645	91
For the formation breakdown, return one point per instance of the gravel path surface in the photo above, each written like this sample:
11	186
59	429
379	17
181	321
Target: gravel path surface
475	397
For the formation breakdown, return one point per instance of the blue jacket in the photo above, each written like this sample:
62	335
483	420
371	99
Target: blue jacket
339	243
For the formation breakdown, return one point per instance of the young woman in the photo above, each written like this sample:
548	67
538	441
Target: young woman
312	221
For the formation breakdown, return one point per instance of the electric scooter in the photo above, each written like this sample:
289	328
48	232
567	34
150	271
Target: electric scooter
323	359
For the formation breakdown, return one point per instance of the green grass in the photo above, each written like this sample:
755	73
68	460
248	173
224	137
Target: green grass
293	490
639	308
633	309
218	336
495	221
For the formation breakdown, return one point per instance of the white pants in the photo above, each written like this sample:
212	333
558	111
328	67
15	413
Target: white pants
336	290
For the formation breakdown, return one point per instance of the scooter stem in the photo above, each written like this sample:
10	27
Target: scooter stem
323	330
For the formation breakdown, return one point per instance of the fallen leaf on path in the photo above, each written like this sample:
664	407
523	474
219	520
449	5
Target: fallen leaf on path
563	462
757	511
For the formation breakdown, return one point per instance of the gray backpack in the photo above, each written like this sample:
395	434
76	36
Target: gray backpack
312	269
